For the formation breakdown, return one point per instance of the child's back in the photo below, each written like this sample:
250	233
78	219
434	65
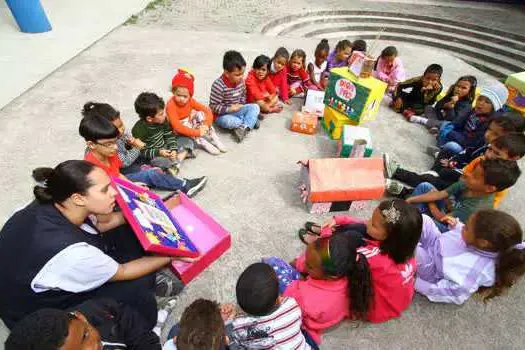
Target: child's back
272	321
281	329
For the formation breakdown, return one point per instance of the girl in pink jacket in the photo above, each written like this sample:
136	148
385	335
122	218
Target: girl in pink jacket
355	270
389	68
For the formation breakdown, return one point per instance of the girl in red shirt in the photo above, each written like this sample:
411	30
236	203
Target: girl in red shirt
260	88
279	73
298	78
359	271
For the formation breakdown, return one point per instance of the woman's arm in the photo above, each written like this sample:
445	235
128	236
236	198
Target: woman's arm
140	267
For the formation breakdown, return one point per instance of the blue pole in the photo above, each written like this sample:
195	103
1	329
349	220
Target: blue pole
29	15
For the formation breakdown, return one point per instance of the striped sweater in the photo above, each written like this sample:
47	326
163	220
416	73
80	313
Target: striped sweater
224	94
279	330
155	136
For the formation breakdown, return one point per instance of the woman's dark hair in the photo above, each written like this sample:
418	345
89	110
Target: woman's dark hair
257	289
45	329
322	46
261	61
57	185
471	93
281	52
513	144
503	232
342	45
301	54
404	233
359	45
201	326
95	128
101	109
510	122
389	51
353	265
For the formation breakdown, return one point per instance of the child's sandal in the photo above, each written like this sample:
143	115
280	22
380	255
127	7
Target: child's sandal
303	232
309	225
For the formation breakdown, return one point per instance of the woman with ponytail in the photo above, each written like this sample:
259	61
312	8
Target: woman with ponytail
356	270
69	246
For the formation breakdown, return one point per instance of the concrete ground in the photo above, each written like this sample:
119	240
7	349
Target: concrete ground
251	190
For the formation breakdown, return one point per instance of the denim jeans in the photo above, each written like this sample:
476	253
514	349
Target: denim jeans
155	179
246	116
423	188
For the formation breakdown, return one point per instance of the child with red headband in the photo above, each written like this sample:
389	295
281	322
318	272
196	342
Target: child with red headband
190	118
347	262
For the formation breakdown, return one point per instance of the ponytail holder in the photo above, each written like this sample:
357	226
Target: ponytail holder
41	184
519	246
391	215
326	259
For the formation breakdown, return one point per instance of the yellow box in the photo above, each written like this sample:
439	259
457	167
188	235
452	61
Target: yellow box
333	122
356	98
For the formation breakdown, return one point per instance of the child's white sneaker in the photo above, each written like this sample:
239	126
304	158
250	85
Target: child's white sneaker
214	139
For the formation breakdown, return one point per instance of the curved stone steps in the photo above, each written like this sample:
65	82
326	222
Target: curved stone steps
494	51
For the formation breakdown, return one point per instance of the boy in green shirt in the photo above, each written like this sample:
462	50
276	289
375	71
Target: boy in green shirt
474	191
163	148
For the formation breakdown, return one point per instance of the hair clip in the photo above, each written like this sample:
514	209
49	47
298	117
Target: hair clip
391	215
519	246
326	259
41	184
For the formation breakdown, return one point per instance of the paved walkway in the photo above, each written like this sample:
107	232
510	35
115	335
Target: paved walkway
40	129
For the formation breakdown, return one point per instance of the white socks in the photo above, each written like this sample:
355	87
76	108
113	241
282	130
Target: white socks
419	120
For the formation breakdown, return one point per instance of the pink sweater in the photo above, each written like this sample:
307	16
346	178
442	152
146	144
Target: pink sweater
393	289
391	75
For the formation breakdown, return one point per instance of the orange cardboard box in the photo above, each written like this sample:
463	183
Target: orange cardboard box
305	123
345	179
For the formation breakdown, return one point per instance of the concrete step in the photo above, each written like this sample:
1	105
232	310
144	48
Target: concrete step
497	52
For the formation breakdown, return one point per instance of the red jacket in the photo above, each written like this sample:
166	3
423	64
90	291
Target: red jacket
393	286
258	89
280	81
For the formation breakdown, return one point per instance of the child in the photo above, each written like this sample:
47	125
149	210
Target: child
359	45
339	57
259	86
128	147
473	192
298	79
506	147
228	98
318	65
189	118
279	73
486	254
424	91
344	269
456	105
95	324
163	148
271	321
468	132
102	138
389	68
201	326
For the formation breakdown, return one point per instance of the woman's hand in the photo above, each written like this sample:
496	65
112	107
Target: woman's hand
330	223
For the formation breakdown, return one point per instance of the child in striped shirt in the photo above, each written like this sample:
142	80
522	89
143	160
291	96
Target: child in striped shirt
271	321
228	98
162	148
485	254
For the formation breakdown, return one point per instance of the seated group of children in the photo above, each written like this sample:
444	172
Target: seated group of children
448	246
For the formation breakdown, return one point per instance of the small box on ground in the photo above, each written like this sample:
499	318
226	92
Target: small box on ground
350	135
305	123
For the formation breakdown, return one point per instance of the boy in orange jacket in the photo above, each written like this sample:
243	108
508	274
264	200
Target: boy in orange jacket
190	118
